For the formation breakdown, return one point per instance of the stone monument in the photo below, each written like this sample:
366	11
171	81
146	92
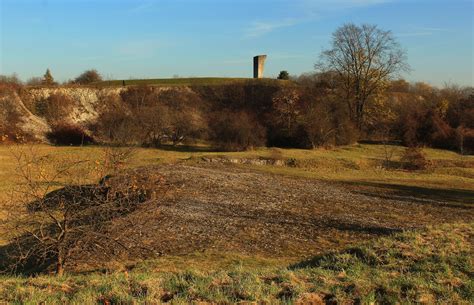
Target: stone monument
258	65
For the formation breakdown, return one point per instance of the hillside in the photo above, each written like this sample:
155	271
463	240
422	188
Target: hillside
32	109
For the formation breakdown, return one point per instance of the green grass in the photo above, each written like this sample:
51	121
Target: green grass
195	81
429	266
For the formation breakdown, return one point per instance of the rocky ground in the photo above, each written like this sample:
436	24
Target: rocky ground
217	207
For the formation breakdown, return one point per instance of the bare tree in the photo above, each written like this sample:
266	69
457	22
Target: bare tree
34	81
286	104
365	58
318	122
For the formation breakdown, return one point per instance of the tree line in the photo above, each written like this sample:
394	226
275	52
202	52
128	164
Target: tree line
356	93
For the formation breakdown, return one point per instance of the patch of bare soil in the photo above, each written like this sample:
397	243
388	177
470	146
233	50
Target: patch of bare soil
225	208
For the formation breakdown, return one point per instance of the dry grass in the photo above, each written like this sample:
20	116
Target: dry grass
432	266
426	266
358	163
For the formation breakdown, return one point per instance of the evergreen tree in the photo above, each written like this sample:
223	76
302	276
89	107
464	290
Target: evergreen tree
48	78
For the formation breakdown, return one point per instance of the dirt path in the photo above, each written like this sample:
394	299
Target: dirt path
225	208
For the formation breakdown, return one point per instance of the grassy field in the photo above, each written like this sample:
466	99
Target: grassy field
432	265
356	164
426	267
195	81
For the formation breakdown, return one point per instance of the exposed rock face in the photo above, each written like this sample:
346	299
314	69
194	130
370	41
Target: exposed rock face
86	105
29	123
85	108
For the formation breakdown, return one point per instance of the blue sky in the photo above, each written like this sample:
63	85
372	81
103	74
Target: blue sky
162	38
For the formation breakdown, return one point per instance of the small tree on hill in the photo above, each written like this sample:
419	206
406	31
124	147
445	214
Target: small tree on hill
88	77
284	75
48	78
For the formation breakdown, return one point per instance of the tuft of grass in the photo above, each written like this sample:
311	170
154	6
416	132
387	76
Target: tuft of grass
430	266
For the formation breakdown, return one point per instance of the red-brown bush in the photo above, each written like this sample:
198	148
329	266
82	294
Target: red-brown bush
236	131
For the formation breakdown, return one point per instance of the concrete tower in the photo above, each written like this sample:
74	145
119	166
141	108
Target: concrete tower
258	65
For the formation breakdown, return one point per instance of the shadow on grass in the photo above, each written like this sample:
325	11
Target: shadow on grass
186	148
331	260
456	198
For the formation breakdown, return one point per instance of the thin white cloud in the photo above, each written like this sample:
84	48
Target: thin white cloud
260	28
421	31
310	10
414	34
143	6
432	29
340	4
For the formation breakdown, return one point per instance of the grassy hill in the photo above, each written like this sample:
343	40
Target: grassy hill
195	81
424	267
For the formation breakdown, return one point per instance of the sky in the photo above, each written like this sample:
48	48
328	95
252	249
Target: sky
126	39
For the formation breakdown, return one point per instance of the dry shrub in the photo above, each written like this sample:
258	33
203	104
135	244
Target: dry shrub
139	97
11	117
55	107
276	154
69	134
236	131
51	228
414	159
115	126
9	120
115	159
151	117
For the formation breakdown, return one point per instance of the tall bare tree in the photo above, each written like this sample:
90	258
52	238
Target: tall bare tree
365	58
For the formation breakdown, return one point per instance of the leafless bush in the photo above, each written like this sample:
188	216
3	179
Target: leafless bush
34	81
319	125
151	118
414	159
57	214
236	131
10	80
115	159
116	127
